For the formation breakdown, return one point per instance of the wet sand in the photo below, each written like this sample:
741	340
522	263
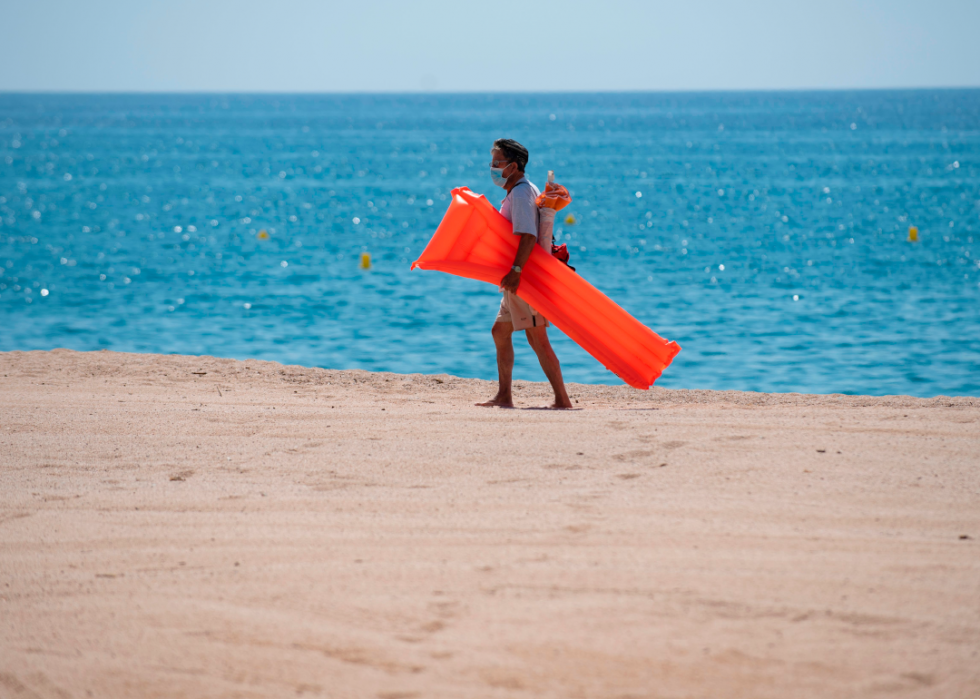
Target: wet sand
176	526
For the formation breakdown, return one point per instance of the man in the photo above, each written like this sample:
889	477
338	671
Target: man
508	158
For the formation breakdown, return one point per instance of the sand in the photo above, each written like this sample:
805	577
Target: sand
176	526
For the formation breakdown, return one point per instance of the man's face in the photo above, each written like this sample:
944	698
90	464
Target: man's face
498	159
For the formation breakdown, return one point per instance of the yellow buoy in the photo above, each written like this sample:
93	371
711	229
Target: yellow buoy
569	220
365	260
263	235
913	234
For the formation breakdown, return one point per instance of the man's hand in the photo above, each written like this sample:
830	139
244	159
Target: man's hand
511	281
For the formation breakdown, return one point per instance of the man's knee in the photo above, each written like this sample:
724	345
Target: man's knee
501	331
537	338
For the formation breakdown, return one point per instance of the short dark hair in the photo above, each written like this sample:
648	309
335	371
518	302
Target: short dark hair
513	151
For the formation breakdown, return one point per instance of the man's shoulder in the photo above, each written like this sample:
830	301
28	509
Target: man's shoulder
525	188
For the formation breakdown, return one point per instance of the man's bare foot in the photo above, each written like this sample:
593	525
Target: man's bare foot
497	402
562	402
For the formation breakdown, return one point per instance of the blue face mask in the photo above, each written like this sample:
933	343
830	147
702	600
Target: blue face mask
497	175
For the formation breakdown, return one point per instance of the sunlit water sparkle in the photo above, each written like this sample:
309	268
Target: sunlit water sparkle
764	232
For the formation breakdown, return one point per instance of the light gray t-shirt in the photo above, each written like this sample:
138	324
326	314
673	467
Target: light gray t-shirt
520	208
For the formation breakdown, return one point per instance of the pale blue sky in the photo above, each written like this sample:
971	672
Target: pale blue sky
433	45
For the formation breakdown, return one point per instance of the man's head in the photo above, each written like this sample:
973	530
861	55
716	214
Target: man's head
507	150
508	160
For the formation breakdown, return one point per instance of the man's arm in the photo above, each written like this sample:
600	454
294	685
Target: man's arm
512	279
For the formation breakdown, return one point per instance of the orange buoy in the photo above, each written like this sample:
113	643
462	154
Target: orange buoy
475	241
913	234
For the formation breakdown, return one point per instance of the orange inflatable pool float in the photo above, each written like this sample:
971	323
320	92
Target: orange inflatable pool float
475	241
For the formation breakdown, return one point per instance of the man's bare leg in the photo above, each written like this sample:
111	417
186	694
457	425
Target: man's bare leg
538	339
502	333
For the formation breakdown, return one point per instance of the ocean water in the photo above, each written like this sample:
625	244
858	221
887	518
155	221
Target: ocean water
765	232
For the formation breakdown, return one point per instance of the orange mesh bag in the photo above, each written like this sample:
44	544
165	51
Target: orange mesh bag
554	197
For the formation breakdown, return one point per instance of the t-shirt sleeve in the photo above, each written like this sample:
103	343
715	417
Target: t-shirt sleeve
524	211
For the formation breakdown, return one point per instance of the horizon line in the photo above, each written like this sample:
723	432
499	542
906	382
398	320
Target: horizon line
490	92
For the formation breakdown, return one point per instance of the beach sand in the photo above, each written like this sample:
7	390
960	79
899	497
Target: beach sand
176	526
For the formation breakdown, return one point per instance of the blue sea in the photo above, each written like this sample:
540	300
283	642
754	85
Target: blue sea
766	233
